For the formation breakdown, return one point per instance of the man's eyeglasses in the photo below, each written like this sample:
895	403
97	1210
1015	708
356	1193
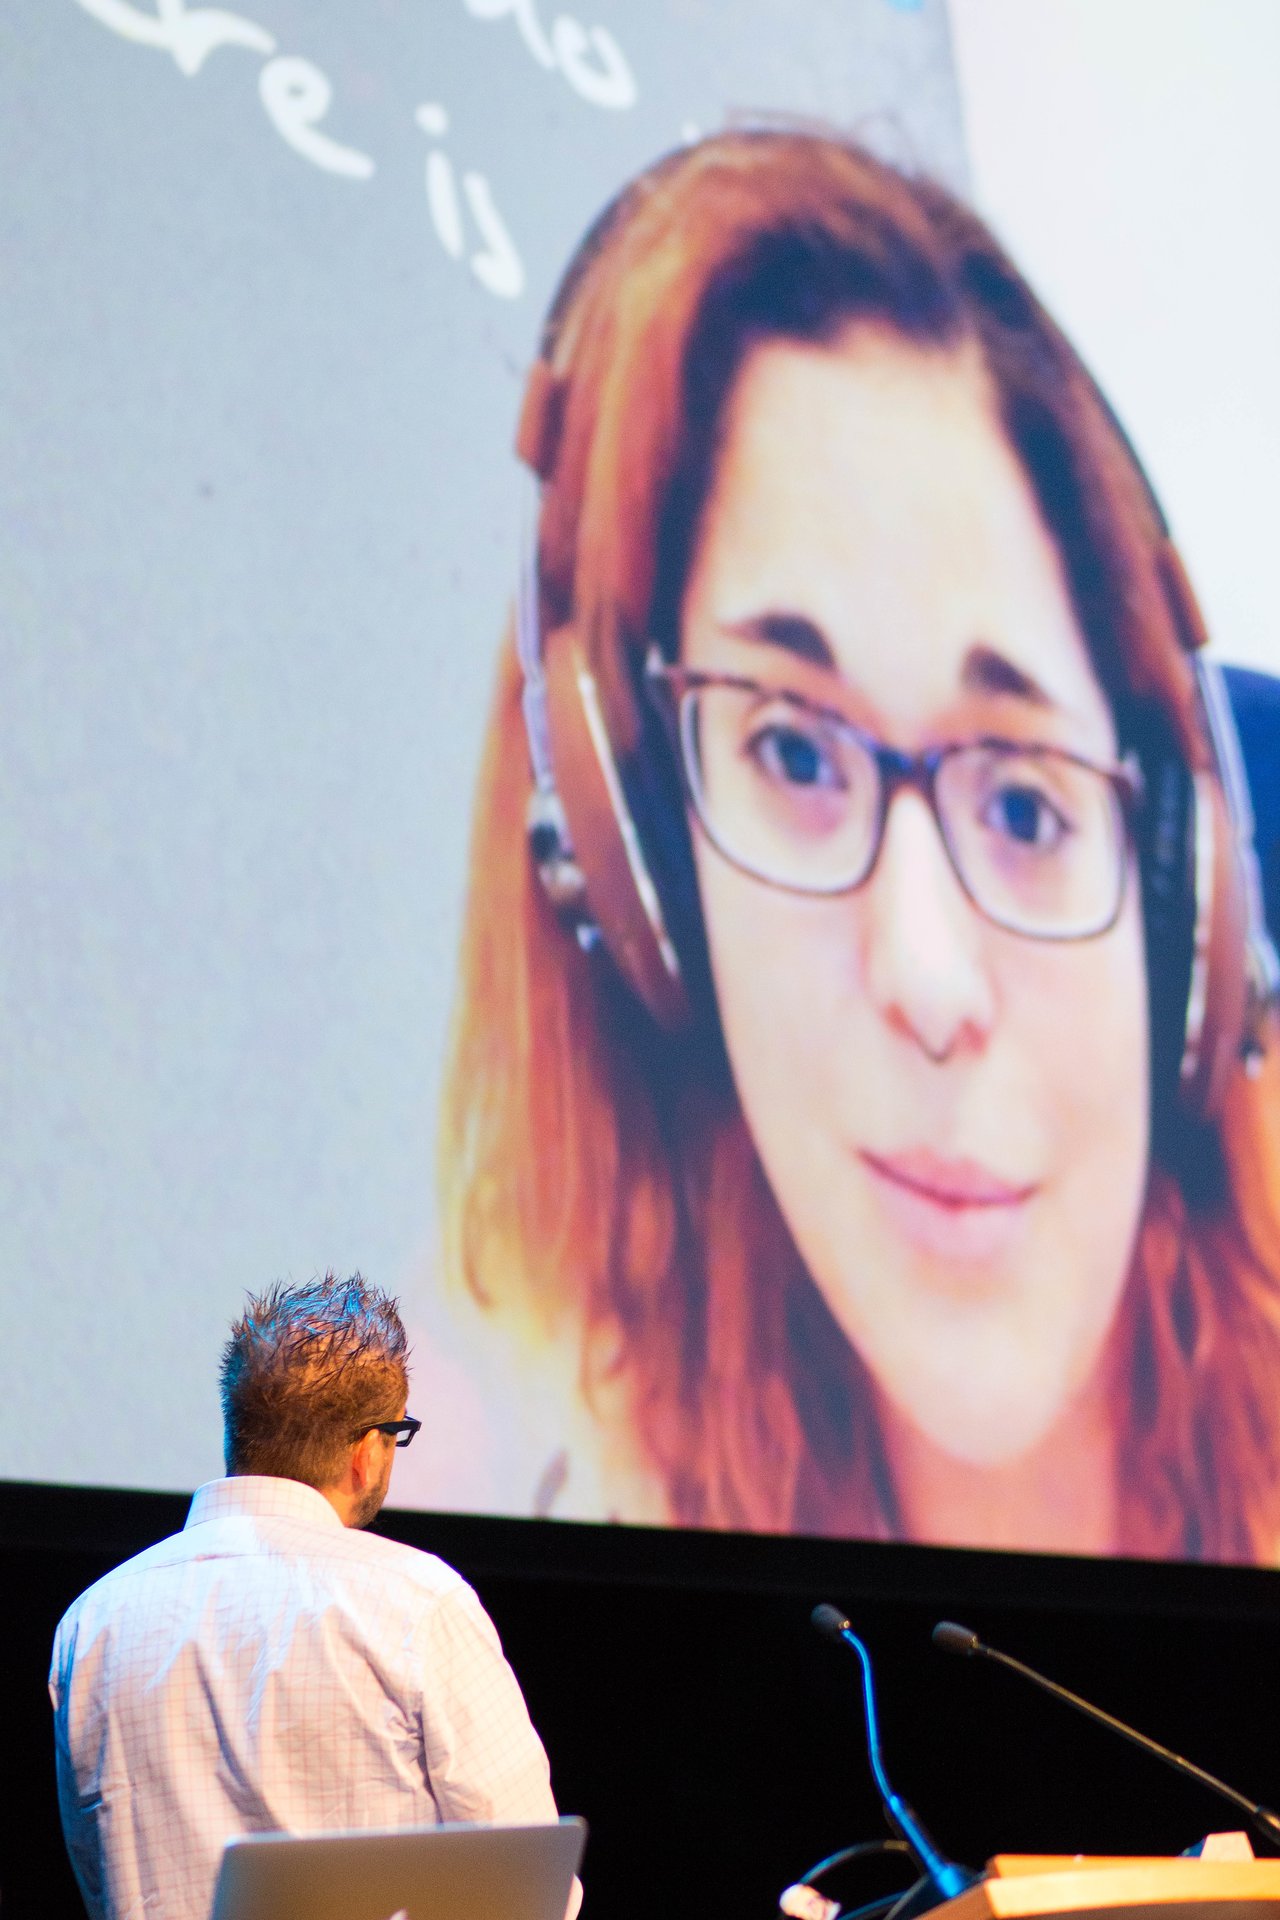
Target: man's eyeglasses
794	794
401	1431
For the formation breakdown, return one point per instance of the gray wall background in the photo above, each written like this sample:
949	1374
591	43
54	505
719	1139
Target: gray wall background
258	528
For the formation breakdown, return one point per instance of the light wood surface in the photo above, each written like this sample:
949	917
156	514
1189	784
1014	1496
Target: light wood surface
1030	1887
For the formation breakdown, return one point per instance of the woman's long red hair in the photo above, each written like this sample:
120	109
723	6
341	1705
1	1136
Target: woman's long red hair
597	1173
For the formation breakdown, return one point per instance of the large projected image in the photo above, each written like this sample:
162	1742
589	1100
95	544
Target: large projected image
891	1149
745	910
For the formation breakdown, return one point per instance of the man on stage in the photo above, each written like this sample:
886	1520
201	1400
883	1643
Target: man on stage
272	1667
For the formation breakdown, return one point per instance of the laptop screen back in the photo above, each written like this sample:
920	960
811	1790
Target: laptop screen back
418	1873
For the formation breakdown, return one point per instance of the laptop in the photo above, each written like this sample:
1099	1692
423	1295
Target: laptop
402	1873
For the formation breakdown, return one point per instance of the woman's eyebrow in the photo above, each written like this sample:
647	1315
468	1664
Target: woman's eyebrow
986	670
794	633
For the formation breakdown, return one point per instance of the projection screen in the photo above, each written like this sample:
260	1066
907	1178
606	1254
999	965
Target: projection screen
842	1101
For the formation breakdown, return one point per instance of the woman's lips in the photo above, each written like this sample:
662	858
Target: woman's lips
949	1209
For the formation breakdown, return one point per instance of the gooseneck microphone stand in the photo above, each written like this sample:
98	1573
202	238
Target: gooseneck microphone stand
962	1640
943	1879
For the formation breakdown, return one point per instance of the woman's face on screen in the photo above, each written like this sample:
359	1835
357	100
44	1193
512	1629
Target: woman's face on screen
953	1116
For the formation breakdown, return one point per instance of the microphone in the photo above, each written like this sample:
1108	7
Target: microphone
962	1640
944	1877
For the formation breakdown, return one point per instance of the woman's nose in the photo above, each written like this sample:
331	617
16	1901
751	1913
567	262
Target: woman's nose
925	952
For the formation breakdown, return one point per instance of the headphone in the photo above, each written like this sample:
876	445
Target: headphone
608	834
1212	968
609	837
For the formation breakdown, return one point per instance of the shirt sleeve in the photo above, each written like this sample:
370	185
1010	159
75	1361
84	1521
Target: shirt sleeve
78	1813
483	1759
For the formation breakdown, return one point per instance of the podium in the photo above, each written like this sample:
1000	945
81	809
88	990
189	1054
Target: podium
1039	1886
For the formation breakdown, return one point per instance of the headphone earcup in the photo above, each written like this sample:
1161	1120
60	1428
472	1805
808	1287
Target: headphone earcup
1194	925
1166	863
629	840
1218	991
1213	936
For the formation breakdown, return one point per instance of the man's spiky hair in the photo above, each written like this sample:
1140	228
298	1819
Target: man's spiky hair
307	1369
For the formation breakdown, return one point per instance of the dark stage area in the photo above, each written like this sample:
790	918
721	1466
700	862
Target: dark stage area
714	1742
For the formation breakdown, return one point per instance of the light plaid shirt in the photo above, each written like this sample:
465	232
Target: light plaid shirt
269	1668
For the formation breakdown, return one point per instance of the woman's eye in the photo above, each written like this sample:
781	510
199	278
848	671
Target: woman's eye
1024	814
792	756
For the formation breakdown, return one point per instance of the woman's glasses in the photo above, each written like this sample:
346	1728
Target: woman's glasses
797	796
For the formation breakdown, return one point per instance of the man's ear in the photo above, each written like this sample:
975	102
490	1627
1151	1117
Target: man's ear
366	1460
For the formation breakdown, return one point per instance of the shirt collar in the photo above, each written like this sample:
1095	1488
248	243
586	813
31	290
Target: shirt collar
263	1497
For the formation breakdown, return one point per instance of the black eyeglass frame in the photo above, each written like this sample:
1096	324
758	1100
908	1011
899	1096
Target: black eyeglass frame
401	1431
896	770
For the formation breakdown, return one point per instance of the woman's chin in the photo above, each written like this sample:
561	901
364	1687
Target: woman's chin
969	1443
989	1415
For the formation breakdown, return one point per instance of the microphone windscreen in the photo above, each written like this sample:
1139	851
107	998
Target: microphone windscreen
828	1620
954	1639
